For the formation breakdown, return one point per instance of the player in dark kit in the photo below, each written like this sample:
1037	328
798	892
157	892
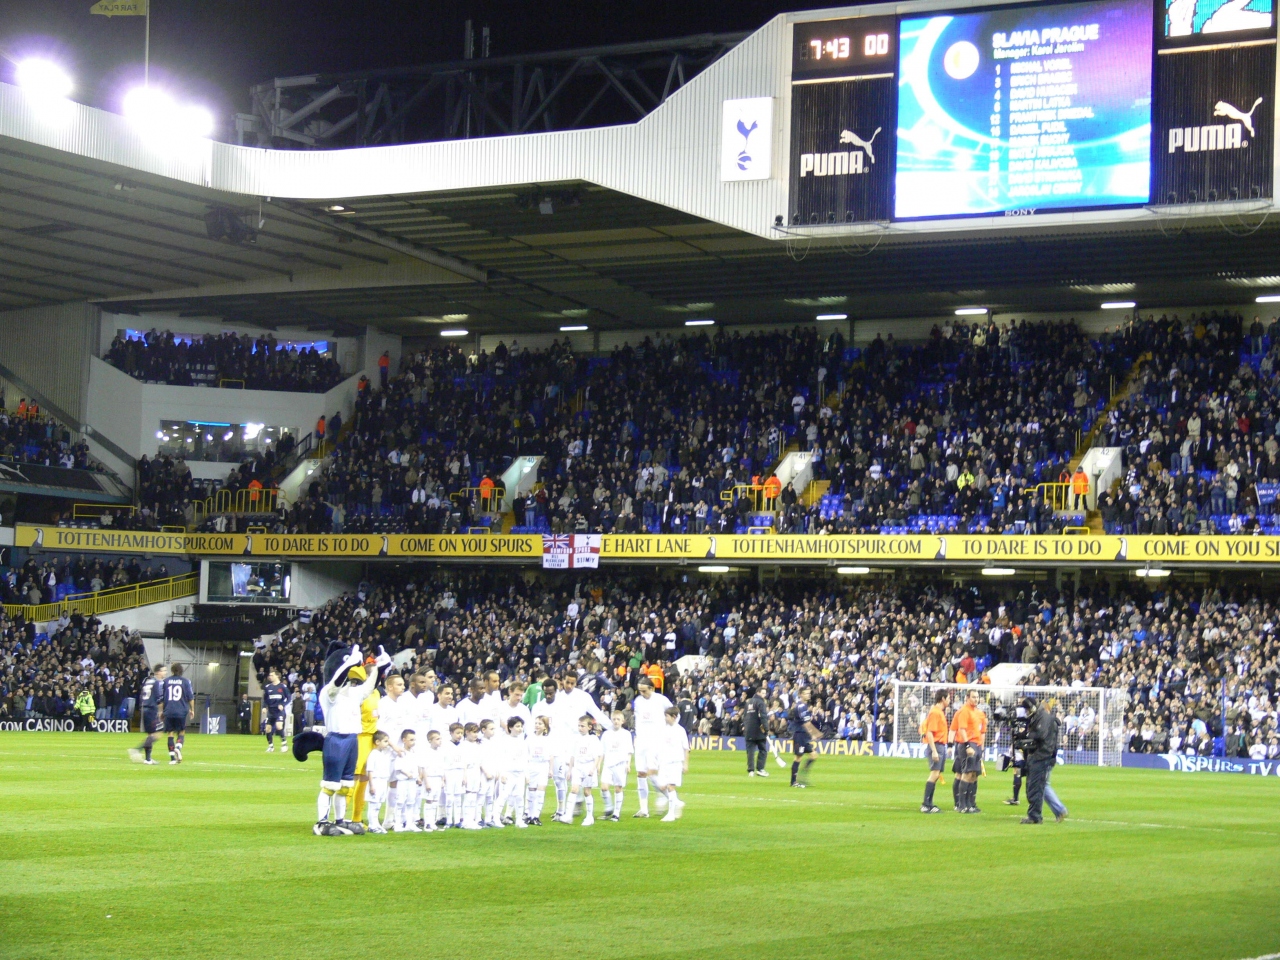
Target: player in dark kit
149	696
275	698
179	701
803	734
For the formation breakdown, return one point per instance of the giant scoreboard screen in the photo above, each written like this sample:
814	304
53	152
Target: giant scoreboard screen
1022	109
1044	107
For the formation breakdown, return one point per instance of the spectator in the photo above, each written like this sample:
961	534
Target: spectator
256	364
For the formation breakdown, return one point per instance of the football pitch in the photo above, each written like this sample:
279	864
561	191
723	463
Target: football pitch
100	857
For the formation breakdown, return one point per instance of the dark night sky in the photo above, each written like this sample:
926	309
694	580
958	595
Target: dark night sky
212	51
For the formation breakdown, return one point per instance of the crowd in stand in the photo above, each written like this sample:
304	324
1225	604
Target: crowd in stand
674	435
166	490
79	670
1177	653
663	436
255	364
1199	431
51	580
28	435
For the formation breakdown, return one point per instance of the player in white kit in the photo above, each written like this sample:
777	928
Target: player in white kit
649	708
513	750
454	773
618	746
472	777
431	764
673	762
513	707
537	771
395	710
559	728
404	780
490	771
584	772
378	768
444	714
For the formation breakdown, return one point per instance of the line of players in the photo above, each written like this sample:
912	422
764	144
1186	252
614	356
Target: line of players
487	761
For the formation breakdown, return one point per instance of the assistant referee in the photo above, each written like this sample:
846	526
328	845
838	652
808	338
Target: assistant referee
933	731
971	733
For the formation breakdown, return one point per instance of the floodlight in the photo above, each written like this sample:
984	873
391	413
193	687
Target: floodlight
43	79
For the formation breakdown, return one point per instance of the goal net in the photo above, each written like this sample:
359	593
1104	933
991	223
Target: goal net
1090	719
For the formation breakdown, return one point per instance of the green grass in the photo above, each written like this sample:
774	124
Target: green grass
103	858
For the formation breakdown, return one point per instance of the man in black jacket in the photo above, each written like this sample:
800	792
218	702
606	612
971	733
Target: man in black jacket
755	728
245	712
1042	754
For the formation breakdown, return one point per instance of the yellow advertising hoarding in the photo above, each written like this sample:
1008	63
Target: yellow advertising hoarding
784	549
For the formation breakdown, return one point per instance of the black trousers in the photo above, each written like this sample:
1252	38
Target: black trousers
757	753
1037	777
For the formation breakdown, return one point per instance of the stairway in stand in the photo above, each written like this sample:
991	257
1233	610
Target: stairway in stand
814	492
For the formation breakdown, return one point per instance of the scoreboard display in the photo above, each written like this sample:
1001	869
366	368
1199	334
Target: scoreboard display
845	48
1033	107
1026	109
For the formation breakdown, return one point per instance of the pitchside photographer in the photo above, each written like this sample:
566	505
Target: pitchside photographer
1015	757
1041	751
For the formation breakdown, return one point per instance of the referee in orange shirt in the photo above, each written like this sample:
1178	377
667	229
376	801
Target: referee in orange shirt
934	734
970	727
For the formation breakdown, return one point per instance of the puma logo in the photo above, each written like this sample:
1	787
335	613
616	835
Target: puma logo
1224	109
848	136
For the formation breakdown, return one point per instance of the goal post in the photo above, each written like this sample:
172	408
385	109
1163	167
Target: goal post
1090	719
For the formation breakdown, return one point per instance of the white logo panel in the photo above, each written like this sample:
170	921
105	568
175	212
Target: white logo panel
746	139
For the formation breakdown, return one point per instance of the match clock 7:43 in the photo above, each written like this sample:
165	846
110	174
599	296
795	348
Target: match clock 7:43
840	48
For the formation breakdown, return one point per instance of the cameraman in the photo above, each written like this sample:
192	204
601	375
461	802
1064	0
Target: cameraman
1042	754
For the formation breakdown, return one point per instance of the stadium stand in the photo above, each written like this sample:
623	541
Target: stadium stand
953	434
53	579
1198	431
43	673
27	435
1180	654
223	360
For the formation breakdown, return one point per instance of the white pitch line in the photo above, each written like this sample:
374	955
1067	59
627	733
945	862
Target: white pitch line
1269	956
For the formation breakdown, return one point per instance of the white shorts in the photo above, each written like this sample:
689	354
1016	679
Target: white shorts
432	787
670	774
377	789
453	782
615	775
559	769
537	779
473	779
584	779
646	756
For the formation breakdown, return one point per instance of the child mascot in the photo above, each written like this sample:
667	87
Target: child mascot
349	682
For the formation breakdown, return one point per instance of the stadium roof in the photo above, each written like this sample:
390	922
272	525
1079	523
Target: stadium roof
625	226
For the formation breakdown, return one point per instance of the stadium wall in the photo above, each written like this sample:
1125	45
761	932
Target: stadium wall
315	584
55	377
